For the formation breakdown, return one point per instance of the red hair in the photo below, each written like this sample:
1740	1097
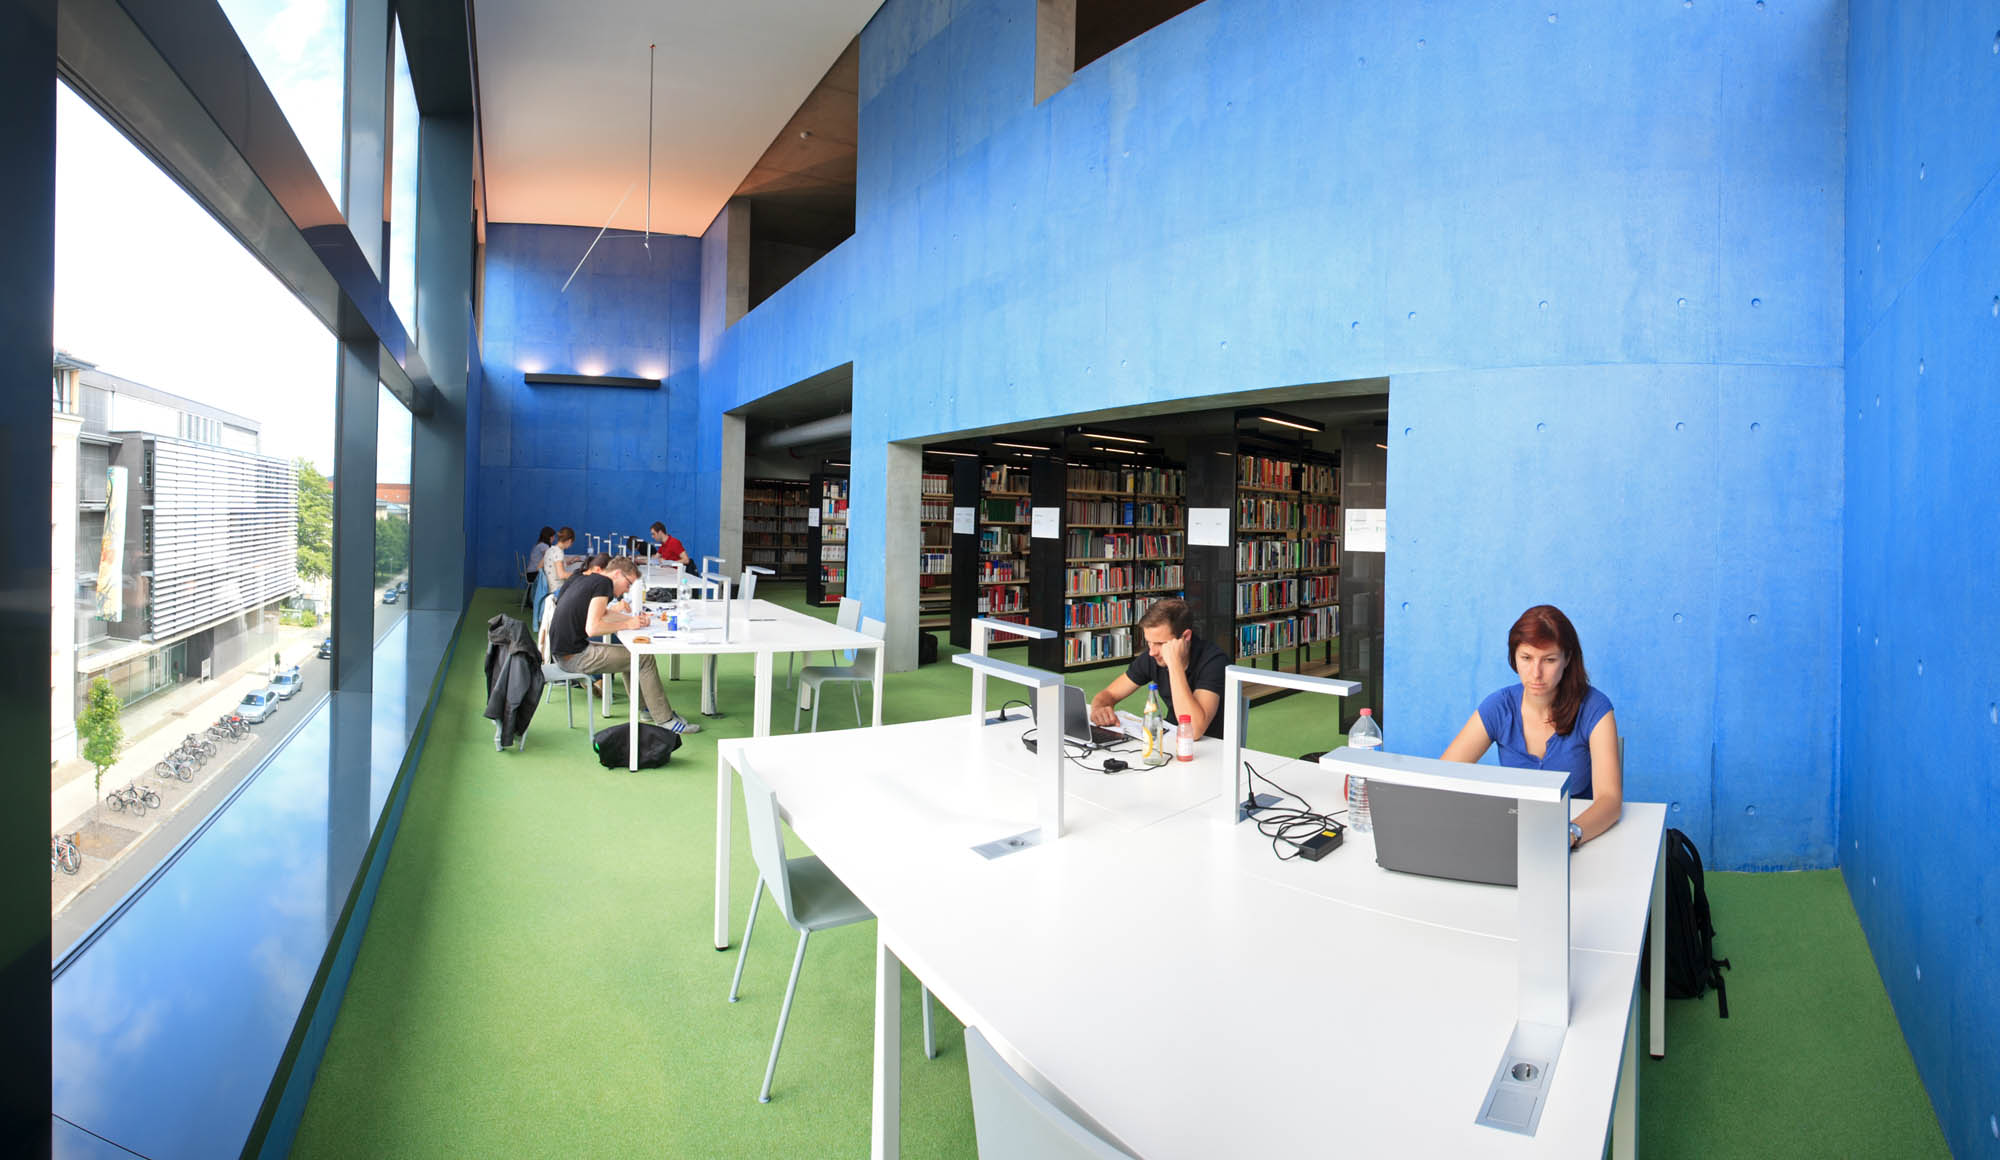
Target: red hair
1545	626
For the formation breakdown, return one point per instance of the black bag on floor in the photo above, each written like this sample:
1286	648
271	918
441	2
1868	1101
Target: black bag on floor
926	649
1692	967
656	746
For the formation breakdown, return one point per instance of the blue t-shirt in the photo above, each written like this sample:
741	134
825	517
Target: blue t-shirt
1501	714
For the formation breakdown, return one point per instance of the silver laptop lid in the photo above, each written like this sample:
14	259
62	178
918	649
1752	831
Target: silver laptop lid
1442	834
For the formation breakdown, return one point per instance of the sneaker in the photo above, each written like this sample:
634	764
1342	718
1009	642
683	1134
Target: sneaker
681	724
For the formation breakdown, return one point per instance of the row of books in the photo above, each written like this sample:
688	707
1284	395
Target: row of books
1266	636
832	552
1002	571
1085	648
1263	471
1318	479
1319	624
1138	513
775	527
1001	541
1318	519
1080	545
1163	481
1005	510
936	510
1095	579
1285	555
1320	589
1259	596
936	483
1109	612
1003	477
1003	600
1264	513
934	564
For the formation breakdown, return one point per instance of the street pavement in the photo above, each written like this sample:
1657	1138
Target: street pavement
78	901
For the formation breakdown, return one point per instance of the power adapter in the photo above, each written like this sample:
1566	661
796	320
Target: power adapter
1113	765
1323	843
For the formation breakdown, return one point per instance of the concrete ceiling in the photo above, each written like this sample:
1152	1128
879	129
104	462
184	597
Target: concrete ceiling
563	99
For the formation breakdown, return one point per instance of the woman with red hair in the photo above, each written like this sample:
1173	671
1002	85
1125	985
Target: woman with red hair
1553	719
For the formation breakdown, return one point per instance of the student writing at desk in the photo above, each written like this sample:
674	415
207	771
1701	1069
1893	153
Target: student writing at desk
1188	669
1553	719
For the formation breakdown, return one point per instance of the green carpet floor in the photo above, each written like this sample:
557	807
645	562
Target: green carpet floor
537	979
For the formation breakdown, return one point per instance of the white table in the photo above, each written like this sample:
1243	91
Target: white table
762	628
1172	981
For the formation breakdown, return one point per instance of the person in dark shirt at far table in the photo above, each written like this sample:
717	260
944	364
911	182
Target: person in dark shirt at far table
583	611
1188	669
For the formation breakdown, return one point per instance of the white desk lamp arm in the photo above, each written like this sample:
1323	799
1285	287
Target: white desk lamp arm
1048	688
984	629
1236	682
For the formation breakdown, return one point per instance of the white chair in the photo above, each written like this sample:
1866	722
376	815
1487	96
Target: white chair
554	674
847	617
815	678
1012	1120
808	896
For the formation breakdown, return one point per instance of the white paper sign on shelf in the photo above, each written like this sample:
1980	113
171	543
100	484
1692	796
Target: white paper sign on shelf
961	521
1208	527
1047	523
1367	530
812	517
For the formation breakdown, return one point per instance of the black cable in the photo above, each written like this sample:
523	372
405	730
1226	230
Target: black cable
1291	827
1075	751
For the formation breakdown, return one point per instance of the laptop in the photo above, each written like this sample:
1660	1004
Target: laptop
1077	728
1445	834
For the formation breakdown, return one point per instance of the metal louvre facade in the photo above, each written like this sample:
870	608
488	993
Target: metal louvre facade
225	533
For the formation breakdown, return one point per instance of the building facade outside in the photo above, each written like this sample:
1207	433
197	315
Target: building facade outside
174	549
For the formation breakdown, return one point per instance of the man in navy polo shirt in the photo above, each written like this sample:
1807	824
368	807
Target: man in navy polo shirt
1188	669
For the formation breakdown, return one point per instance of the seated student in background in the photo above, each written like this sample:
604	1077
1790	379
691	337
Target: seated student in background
541	548
1188	669
1553	719
667	548
556	567
583	611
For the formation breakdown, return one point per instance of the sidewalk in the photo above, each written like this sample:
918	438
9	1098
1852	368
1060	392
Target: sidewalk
155	731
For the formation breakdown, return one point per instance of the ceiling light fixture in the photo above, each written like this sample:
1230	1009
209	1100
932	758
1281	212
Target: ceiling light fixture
1112	438
960	454
1116	450
1265	415
547	380
1022	446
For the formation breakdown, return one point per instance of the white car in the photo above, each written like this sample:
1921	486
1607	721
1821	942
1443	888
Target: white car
287	684
257	707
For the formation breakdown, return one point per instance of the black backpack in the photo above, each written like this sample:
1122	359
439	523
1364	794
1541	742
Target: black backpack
1692	967
614	746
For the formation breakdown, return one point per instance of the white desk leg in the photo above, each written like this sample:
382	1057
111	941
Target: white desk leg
1658	1039
708	705
674	667
1625	1113
881	662
760	718
722	825
886	1139
632	705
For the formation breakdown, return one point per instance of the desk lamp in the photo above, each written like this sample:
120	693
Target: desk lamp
984	629
1048	694
1236	682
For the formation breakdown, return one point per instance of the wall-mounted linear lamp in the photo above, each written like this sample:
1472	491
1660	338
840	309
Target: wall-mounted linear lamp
1048	689
538	379
1236	681
1521	1083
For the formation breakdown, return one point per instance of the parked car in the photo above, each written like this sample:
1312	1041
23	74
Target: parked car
388	596
326	649
257	707
287	684
402	587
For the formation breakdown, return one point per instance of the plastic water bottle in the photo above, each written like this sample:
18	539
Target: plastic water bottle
1154	733
1366	734
1184	738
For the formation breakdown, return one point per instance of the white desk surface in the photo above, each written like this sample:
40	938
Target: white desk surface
754	626
1189	992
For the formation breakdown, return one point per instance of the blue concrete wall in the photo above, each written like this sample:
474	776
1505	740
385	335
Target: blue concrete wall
600	460
1920	737
1608	223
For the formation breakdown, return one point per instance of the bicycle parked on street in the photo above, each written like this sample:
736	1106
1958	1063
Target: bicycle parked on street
135	798
199	745
64	854
175	765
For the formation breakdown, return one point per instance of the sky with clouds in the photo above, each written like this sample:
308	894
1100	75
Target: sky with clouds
150	288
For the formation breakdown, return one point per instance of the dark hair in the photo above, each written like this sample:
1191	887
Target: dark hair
659	527
547	536
1172	612
623	565
1545	626
597	562
566	534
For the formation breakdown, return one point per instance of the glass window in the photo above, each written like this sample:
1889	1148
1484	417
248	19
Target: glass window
300	47
392	512
403	191
191	556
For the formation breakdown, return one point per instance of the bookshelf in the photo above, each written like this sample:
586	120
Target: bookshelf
934	565
1004	518
774	525
1272	597
1124	543
826	541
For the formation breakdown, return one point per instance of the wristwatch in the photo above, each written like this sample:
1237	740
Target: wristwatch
1575	835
